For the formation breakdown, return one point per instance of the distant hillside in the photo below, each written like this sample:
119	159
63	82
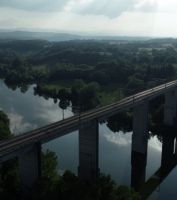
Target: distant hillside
118	38
23	46
24	35
50	36
163	40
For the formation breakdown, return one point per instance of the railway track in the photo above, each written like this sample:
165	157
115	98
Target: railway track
48	130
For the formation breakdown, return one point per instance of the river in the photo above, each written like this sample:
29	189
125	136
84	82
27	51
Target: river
27	112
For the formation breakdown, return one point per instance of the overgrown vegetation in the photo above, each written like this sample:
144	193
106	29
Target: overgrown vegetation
69	186
9	179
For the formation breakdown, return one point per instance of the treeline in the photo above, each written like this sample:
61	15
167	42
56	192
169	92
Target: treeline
83	96
104	61
9	179
130	66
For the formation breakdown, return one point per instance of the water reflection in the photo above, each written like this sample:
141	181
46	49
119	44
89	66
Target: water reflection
27	111
66	149
167	172
115	155
138	169
168	163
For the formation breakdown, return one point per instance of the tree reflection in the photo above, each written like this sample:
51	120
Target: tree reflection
120	122
63	104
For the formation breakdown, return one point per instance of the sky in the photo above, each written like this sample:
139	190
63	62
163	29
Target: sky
96	17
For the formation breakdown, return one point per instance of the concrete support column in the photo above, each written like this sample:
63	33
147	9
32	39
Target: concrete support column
139	145
88	151
170	107
140	128
168	156
138	170
30	165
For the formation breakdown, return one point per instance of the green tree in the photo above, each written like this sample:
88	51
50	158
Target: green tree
126	193
9	179
4	126
89	96
134	85
63	94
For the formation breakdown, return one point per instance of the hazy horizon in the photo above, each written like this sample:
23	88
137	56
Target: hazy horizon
77	33
137	18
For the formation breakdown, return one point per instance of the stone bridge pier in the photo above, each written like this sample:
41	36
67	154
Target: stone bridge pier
88	151
139	145
30	166
168	158
170	107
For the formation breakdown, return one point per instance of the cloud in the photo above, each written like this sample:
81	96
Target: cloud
34	5
130	23
118	139
155	144
109	8
157	6
169	6
18	124
146	6
107	17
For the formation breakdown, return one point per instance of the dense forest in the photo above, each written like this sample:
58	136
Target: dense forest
105	62
103	70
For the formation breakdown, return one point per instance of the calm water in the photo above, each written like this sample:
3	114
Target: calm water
27	112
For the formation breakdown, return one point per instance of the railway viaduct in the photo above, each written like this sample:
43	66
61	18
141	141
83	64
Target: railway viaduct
27	147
